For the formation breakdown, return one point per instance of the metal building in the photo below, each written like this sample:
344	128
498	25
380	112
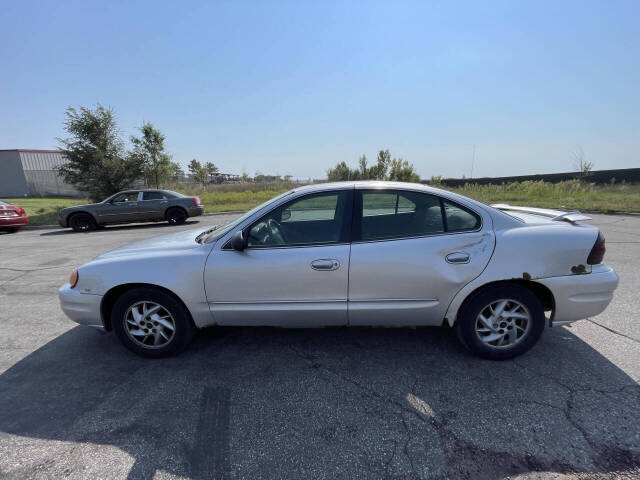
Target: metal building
33	173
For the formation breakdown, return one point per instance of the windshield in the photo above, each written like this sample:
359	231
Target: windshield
216	234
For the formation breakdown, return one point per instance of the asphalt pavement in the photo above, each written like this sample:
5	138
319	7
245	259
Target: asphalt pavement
335	403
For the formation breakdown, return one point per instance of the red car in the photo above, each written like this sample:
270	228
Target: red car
12	217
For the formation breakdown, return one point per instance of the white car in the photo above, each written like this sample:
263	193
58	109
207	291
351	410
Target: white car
354	253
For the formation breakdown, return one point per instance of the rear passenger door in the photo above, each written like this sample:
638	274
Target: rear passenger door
411	253
153	205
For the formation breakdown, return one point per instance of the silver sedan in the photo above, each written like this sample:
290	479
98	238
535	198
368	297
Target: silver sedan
354	253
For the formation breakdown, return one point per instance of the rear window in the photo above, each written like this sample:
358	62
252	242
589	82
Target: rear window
3	203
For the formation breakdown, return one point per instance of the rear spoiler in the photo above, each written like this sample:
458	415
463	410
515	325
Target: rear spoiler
557	215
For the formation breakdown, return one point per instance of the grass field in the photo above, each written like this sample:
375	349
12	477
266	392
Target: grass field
571	195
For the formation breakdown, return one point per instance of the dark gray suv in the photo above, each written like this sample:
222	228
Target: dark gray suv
132	206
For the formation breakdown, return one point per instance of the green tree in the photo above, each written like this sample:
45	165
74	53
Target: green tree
402	171
212	170
176	170
379	171
96	161
339	173
149	149
384	169
363	173
194	167
198	172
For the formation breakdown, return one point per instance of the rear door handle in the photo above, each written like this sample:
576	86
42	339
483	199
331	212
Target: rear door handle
457	257
325	264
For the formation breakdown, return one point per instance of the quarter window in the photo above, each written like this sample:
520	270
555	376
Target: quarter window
313	219
459	219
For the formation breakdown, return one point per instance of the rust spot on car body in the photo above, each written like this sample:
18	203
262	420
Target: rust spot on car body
578	270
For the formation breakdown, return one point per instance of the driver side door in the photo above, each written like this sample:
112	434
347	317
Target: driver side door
123	208
294	271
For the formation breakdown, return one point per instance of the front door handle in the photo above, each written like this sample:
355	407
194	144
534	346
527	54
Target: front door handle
325	264
457	257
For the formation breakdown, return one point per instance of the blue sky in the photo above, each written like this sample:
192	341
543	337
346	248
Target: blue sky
294	87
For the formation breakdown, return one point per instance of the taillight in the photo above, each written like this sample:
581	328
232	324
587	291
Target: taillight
196	201
597	252
20	211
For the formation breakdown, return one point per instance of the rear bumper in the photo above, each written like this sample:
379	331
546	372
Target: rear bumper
581	296
196	211
82	308
13	221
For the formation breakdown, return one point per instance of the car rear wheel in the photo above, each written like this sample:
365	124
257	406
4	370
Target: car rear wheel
151	322
11	229
501	322
82	222
176	216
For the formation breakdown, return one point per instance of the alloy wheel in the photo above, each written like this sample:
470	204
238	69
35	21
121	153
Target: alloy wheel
503	323
149	324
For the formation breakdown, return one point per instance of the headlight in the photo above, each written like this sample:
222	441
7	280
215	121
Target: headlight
73	278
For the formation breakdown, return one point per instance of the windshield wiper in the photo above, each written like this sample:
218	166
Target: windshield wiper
201	236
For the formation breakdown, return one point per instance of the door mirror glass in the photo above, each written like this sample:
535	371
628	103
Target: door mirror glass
237	241
286	215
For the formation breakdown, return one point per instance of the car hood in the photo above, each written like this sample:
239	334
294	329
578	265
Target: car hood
183	240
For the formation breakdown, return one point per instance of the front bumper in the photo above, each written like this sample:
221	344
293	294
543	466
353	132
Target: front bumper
196	211
581	296
82	308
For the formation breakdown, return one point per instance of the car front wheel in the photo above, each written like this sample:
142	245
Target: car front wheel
501	322
151	322
82	222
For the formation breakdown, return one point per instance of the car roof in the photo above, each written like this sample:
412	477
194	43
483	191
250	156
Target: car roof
365	184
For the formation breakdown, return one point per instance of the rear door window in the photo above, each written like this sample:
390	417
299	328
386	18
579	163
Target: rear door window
389	214
153	196
398	214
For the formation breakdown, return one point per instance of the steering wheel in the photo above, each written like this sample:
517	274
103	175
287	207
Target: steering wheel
276	231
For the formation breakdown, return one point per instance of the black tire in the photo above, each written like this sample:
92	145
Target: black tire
468	319
181	320
176	216
11	229
82	222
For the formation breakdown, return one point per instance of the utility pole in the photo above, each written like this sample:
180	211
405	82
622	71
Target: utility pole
473	159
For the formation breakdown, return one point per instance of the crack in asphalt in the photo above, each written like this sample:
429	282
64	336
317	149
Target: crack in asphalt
464	454
601	459
24	272
39	269
613	331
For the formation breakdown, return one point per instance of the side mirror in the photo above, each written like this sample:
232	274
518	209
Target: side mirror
238	242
